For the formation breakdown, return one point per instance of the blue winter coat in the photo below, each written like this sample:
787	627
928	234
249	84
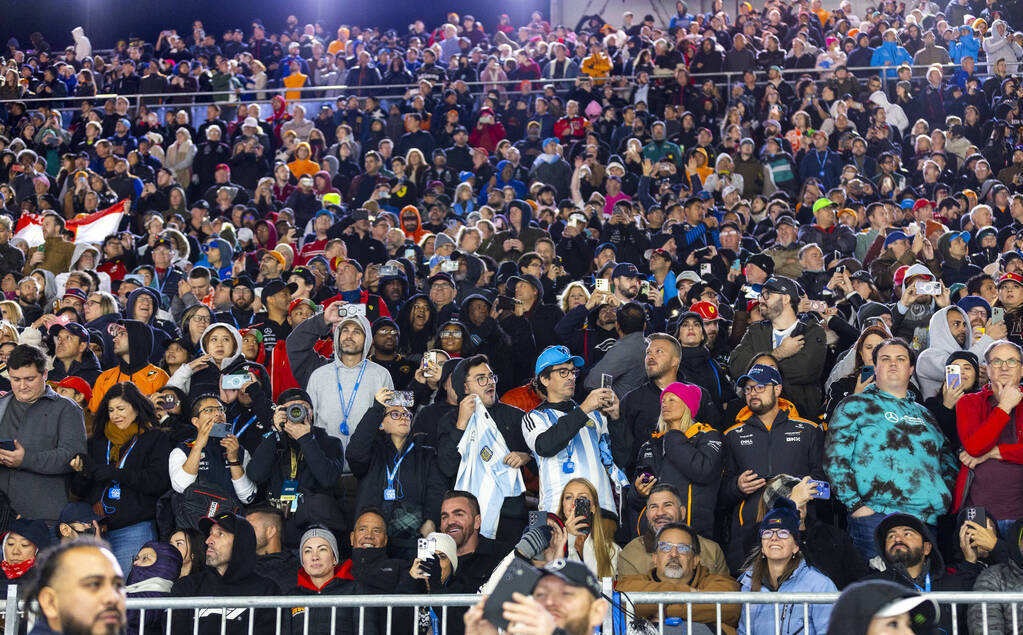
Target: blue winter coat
967	44
890	52
805	579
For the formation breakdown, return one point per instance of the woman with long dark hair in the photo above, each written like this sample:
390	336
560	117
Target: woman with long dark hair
124	469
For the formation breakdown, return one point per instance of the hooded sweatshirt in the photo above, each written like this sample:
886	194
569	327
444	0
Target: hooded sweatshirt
997	47
417	232
930	365
894	114
888	453
240	579
137	370
954	270
154	581
326	380
207	379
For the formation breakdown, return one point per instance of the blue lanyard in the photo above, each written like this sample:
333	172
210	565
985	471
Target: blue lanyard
391	474
347	409
124	457
234	424
927	584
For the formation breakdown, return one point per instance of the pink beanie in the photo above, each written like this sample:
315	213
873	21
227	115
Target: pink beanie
688	393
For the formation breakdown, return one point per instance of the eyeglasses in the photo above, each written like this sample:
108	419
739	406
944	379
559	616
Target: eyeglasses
1004	363
399	415
484	380
780	534
387	332
91	301
210	410
565	373
202	318
682	548
756	388
455	334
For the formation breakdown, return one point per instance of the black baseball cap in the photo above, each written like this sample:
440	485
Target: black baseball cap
574	574
305	274
227	521
294	394
626	269
274	287
784	286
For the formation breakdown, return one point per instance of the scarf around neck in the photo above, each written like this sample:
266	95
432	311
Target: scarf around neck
118	437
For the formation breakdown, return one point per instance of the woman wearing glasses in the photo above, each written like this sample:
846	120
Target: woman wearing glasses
777	565
124	469
397	473
194	322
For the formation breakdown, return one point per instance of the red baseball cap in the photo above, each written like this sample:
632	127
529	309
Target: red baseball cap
1011	277
78	385
706	310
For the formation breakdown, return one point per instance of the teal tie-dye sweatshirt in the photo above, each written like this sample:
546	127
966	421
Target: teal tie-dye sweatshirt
889	454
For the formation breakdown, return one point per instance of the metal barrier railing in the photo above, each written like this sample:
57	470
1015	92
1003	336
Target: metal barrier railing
175	607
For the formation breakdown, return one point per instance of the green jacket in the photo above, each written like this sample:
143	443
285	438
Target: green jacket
657	150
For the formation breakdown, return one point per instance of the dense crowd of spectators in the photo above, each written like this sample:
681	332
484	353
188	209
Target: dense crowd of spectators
725	303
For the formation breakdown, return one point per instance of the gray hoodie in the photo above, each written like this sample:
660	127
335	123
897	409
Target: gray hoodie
325	379
930	365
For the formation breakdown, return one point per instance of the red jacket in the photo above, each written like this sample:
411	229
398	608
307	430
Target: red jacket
980	422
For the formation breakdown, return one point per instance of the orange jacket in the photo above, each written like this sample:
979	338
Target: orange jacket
597	66
148	380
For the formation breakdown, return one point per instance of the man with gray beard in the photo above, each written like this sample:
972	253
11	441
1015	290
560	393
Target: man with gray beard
677	568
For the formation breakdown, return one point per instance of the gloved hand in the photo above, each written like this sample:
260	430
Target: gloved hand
534	541
431	567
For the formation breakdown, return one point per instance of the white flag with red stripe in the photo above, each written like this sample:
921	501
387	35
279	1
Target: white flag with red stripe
88	228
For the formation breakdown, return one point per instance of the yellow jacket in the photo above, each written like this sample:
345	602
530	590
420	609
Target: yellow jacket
597	66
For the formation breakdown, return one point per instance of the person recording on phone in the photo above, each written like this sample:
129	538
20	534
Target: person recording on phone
396	472
570	440
949	332
221	365
297	465
213	456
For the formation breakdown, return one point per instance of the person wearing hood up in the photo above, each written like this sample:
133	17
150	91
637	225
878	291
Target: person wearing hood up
221	356
218	256
154	571
298	459
502	178
956	267
85	258
943	404
143	305
341	388
890	54
949	332
910	556
520	237
411	223
998	46
894	114
229	572
879	607
913	311
966	45
133	344
475	386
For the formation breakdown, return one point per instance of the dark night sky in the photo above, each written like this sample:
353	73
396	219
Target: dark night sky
106	21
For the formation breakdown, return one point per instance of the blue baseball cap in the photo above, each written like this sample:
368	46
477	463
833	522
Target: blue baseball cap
760	374
548	140
893	236
964	235
906	203
554	355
